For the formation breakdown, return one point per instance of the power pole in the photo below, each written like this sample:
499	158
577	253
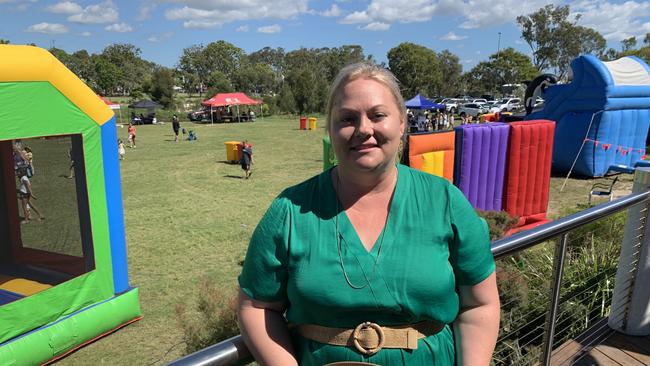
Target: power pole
497	61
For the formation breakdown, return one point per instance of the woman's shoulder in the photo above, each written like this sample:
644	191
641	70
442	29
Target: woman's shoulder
308	187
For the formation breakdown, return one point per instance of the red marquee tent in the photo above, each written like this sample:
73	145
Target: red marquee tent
225	99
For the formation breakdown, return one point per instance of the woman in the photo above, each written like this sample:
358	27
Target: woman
369	241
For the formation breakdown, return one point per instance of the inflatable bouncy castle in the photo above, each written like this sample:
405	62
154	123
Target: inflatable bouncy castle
63	265
602	116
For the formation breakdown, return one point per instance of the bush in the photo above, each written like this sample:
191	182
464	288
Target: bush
214	319
499	222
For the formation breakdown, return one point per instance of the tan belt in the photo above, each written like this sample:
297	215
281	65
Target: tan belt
368	338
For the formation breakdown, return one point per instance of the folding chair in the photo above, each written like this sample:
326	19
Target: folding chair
602	189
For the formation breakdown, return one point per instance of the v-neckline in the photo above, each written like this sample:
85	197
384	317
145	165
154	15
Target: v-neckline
349	233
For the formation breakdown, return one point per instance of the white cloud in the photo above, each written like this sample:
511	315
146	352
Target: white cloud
104	12
157	38
472	13
376	26
451	36
144	12
65	7
119	28
334	11
270	29
215	13
47	28
356	17
242	28
86	34
614	21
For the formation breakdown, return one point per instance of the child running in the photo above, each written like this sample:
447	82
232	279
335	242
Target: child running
131	132
121	149
26	194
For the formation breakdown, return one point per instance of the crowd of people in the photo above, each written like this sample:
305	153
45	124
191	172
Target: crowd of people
424	120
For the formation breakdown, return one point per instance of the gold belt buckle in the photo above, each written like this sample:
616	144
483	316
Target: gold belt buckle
357	335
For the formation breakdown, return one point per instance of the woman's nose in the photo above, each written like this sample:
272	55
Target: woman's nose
365	126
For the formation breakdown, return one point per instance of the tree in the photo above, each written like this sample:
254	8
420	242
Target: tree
506	67
417	68
218	83
451	70
646	39
223	57
162	86
628	44
4	41
193	69
133	69
554	39
108	75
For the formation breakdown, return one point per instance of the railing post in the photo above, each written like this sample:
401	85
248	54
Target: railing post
558	270
631	299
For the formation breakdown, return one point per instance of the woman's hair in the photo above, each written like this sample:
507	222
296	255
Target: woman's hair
364	70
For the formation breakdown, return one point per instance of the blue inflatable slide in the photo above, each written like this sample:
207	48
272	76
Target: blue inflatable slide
602	116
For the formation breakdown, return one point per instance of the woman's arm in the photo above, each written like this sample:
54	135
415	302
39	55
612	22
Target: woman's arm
477	326
265	331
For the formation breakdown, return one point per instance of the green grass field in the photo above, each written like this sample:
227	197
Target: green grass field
189	216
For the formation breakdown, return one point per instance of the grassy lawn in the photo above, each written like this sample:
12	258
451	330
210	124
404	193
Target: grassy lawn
189	215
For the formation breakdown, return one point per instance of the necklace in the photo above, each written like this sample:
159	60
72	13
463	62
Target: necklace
338	243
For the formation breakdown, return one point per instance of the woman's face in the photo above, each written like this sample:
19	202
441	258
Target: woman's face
366	126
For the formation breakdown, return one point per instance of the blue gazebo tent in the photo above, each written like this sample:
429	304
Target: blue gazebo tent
420	102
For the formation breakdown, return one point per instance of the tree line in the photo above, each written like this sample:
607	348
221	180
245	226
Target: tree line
296	81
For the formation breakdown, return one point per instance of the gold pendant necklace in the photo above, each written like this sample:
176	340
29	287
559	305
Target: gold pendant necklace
338	243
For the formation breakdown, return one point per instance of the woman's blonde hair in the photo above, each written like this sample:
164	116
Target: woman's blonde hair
366	71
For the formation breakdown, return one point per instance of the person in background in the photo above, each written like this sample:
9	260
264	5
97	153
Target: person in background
121	150
29	158
71	174
246	158
176	126
370	261
25	194
131	131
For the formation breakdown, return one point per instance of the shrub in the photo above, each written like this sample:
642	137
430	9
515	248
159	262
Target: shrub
213	320
498	222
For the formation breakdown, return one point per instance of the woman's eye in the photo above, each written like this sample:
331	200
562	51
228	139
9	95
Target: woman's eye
379	116
347	119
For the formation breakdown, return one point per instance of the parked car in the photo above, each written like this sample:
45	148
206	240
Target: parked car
507	105
451	104
480	101
471	109
202	115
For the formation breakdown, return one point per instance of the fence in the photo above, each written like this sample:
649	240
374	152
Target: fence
555	282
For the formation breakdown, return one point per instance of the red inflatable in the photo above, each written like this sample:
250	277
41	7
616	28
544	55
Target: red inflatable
529	172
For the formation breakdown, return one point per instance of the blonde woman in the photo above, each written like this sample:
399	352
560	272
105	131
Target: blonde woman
370	261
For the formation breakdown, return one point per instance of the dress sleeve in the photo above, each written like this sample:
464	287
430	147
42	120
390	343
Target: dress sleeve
469	253
264	275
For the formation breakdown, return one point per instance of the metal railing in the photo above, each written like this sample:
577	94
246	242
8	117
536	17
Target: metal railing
233	351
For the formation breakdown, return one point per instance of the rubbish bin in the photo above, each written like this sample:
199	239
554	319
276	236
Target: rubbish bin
329	159
312	123
232	151
303	123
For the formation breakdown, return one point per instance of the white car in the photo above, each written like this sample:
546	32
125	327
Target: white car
506	105
452	104
471	109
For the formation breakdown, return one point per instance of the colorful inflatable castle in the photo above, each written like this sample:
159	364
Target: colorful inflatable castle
497	166
602	116
63	266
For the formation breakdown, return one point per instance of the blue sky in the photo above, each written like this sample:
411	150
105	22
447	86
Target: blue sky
162	28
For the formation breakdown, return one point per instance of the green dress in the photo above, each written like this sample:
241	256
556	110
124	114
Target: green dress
433	242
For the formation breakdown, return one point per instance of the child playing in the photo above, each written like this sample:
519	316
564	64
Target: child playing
25	194
121	149
131	132
29	156
247	158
